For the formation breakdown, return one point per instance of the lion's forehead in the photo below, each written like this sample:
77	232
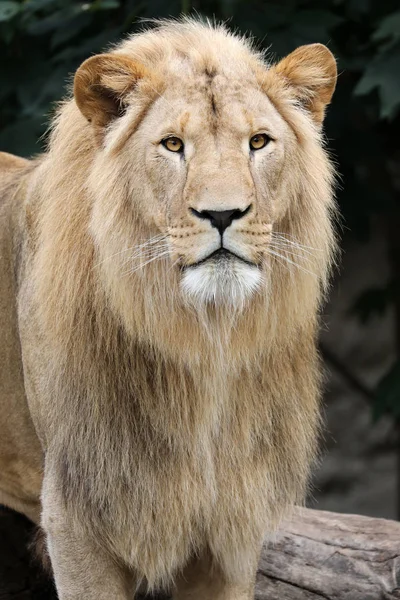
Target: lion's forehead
217	105
206	70
201	85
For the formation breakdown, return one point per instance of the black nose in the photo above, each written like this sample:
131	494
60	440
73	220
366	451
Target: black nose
221	219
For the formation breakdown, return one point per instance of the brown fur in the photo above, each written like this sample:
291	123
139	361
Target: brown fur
174	435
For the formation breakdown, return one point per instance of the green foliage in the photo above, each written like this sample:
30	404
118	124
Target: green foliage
8	10
381	72
43	41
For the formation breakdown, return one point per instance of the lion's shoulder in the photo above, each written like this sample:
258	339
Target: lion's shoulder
11	168
10	162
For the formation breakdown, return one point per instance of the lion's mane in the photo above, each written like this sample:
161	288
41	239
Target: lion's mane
196	426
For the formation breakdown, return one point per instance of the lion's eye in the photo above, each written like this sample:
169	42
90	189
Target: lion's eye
173	144
258	141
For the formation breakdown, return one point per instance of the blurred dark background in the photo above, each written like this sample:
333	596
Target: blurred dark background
42	42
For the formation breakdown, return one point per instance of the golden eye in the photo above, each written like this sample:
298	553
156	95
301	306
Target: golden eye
173	144
259	140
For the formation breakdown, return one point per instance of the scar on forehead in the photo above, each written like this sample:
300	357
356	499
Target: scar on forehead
210	72
183	121
213	104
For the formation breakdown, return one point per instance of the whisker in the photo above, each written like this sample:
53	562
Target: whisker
285	236
112	256
149	242
148	250
285	258
290	251
131	271
294	245
280	262
149	245
145	255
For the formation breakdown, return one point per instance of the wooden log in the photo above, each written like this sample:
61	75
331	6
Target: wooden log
315	556
320	555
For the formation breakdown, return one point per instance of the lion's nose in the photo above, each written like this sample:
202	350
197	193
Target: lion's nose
221	219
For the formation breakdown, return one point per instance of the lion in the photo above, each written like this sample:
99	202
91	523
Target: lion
163	264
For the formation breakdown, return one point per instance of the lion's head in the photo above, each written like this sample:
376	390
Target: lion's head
209	145
209	187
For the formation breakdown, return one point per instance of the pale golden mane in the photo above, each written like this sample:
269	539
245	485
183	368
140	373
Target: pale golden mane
137	388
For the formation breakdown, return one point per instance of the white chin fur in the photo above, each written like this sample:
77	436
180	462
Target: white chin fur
221	284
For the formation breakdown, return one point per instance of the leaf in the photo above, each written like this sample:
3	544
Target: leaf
89	45
36	5
8	10
388	28
313	25
105	5
70	30
56	20
304	27
35	99
383	74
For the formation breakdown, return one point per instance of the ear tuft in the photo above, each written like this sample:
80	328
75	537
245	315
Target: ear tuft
102	84
311	71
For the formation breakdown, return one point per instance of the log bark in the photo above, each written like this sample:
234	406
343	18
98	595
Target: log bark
315	555
320	555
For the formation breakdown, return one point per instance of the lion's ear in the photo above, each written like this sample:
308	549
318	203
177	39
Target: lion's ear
102	84
311	71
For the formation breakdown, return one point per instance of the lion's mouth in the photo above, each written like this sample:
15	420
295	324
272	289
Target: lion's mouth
221	278
220	256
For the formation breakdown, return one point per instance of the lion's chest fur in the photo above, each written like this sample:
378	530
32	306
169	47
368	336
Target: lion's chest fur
157	459
163	465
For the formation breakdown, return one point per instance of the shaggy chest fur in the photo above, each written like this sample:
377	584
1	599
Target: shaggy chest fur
165	461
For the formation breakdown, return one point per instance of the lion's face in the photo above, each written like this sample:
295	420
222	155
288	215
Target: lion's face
213	155
208	165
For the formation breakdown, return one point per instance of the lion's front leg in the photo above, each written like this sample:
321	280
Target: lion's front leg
203	580
82	570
